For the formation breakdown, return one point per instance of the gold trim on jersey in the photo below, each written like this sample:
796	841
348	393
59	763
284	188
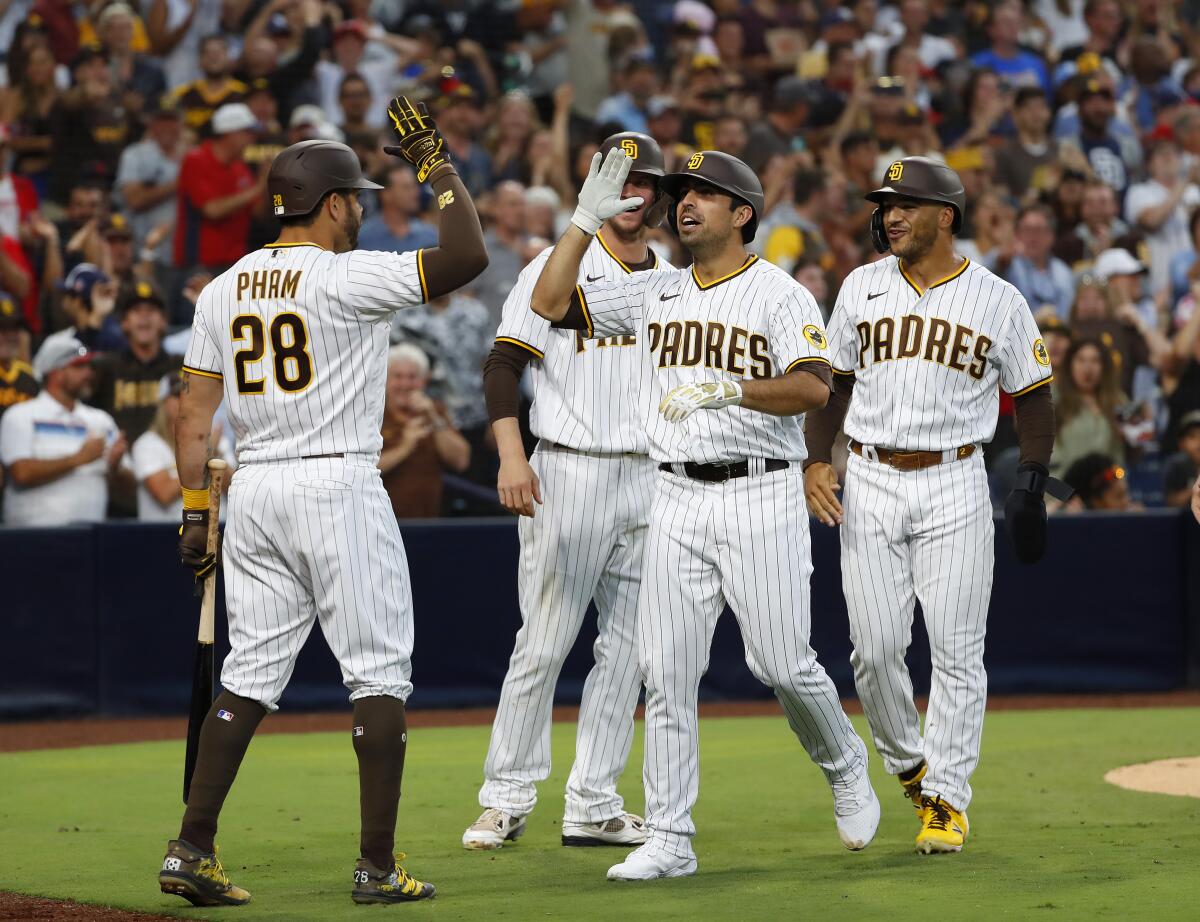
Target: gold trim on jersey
704	286
949	278
838	371
807	358
421	273
516	342
587	315
1034	386
200	371
300	243
620	262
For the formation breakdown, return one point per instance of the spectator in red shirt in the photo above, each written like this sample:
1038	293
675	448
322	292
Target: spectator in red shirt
218	195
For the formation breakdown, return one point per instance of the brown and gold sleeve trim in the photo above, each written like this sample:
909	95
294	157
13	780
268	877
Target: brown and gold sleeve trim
421	274
203	373
810	358
1036	384
516	342
838	371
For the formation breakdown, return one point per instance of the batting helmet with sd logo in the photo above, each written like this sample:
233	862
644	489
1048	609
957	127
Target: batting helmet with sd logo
303	173
920	178
647	158
729	175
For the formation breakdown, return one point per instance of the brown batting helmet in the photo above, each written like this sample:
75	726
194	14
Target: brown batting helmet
728	174
647	158
920	178
303	173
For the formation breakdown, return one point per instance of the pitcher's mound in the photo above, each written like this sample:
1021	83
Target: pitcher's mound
1180	777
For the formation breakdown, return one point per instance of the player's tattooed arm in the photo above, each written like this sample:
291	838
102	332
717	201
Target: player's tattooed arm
198	402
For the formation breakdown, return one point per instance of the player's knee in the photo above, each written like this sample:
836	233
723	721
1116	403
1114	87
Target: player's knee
875	653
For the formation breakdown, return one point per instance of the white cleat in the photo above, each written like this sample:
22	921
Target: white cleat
626	829
492	829
650	862
857	813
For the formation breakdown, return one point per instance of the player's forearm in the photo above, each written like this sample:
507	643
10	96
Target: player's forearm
37	472
460	254
509	444
552	293
787	395
821	426
193	429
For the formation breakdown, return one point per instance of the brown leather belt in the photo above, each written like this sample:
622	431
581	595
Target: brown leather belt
912	460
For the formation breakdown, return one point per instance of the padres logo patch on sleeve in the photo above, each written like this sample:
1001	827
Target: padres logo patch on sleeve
815	335
1040	353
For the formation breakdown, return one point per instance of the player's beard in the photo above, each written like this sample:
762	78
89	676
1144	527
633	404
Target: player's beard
350	227
922	235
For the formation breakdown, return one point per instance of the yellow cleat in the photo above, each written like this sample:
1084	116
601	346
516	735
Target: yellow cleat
943	829
198	877
911	782
372	885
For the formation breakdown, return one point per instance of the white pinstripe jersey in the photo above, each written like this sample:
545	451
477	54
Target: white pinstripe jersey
756	323
300	337
929	364
585	393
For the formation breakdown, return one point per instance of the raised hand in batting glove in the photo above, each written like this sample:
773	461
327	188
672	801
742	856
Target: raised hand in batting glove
600	197
684	400
419	141
193	544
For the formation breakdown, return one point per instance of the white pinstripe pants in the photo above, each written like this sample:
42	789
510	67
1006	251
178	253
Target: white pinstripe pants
744	542
586	542
315	540
920	535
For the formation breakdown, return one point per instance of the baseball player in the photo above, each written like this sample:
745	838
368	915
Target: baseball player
737	338
923	339
295	338
585	543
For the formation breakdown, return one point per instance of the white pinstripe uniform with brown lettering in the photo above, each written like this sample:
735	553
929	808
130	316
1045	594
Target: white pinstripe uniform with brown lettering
743	541
300	337
585	543
928	365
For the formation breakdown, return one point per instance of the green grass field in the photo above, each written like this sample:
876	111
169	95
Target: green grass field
1049	838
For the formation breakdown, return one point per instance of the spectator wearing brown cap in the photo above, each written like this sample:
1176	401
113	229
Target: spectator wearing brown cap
90	127
61	454
17	381
120	257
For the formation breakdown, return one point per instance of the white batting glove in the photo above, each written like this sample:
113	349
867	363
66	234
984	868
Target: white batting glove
684	400
600	197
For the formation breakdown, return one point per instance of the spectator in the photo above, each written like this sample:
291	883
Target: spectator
147	174
1103	22
730	135
809	273
1123	272
216	87
355	104
508	140
1181	373
217	195
1184	266
119	254
780	132
140	77
1057	336
396	227
994	226
1024	164
542	213
1043	279
126	381
627	108
1086	411
793	229
25	109
1102	313
1004	54
459	119
1099	484
349	55
60	453
932	50
1159	208
419	441
664	123
1099	227
506	241
1152	86
1113	156
159	498
17	382
832	92
284	54
177	31
87	205
90	127
1183	467
88	299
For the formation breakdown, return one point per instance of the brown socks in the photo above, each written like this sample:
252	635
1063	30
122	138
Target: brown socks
380	738
226	733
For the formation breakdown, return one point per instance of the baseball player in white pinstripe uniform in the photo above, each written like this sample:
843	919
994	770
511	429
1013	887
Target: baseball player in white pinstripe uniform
923	339
737	338
583	498
294	337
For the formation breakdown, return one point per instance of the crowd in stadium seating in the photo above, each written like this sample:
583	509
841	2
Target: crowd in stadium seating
136	136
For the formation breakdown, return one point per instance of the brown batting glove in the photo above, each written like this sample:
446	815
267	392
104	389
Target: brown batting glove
420	142
193	544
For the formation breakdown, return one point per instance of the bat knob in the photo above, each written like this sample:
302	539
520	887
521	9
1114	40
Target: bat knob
217	464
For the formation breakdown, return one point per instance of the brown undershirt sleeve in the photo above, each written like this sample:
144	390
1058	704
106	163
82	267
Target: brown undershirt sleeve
460	254
1035	425
821	426
576	317
819	369
501	379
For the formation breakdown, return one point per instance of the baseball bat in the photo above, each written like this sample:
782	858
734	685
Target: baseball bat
202	670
